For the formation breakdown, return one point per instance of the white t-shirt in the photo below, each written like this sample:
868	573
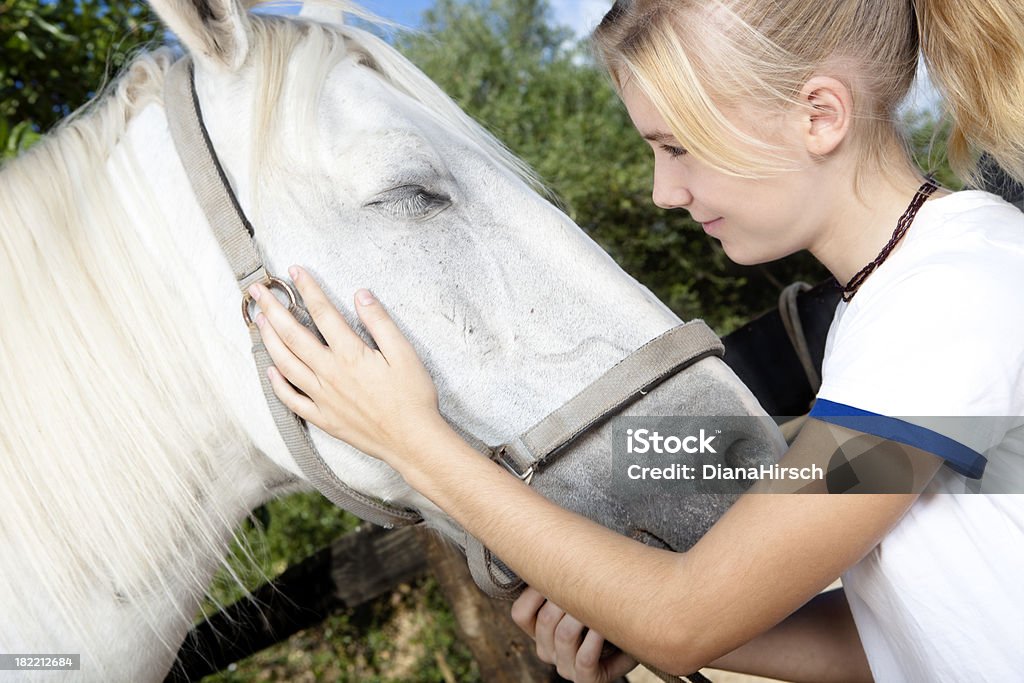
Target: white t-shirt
936	333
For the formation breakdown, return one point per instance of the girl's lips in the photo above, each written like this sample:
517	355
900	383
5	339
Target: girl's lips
711	225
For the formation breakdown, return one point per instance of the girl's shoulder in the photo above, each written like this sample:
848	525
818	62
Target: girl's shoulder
942	312
986	221
963	247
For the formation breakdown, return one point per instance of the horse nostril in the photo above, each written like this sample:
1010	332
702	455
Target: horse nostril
647	538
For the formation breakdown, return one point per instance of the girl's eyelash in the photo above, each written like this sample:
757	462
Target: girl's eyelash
674	151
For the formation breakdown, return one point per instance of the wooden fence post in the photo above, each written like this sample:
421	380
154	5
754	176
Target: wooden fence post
503	652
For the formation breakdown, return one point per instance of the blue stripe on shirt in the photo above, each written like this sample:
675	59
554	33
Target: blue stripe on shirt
958	457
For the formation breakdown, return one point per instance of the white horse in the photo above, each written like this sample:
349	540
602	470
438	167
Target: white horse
133	433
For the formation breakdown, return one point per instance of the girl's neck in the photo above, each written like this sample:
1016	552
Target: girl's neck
861	224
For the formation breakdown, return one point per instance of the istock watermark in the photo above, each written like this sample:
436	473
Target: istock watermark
645	440
692	454
863	454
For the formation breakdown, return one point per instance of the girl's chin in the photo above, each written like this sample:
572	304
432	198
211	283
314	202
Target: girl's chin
745	256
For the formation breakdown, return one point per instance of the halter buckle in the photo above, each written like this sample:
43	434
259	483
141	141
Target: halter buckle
271	283
499	457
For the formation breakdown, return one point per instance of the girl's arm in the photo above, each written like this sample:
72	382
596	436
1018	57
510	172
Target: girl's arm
816	644
767	556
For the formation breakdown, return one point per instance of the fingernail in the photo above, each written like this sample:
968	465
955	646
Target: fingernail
364	297
254	292
294	272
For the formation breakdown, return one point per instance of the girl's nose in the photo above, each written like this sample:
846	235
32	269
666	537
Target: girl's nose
669	190
671	197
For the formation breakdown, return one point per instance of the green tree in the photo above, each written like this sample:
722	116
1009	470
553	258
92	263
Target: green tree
541	92
56	55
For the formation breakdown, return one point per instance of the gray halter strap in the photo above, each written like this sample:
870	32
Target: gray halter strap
235	236
524	456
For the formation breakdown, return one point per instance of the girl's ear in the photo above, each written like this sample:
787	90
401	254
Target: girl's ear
215	32
826	115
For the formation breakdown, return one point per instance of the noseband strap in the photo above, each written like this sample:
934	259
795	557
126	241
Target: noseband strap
625	382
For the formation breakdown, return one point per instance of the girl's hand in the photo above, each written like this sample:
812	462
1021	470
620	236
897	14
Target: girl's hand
564	641
375	400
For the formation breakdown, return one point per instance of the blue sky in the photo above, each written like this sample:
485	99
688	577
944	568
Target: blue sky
580	15
405	12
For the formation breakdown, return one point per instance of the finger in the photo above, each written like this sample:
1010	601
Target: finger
588	657
568	636
297	372
591	666
392	343
547	621
328	319
618	665
295	336
524	610
292	399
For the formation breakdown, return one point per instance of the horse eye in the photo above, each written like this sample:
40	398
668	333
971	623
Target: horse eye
410	202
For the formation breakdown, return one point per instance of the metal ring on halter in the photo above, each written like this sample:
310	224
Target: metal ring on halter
271	283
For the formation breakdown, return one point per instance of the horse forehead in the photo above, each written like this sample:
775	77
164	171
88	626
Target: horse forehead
357	97
373	137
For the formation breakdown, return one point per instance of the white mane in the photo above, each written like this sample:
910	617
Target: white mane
108	435
110	439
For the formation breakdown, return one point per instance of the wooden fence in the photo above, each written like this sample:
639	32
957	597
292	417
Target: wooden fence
357	569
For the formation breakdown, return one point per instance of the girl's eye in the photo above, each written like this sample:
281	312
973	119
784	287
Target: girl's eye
674	151
410	202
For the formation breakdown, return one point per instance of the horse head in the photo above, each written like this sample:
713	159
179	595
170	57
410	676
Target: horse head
350	161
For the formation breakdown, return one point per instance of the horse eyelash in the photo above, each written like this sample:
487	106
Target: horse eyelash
414	206
420	205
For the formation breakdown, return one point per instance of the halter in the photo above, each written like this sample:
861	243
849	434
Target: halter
524	456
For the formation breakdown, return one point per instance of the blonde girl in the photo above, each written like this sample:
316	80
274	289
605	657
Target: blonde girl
774	123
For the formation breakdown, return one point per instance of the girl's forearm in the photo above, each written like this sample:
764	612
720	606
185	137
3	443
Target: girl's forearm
816	644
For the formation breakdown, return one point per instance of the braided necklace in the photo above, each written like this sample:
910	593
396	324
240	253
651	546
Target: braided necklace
902	225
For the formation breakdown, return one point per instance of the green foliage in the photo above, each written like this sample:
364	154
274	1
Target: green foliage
543	95
56	56
410	638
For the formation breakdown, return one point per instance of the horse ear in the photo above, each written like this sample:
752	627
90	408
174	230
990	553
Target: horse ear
213	31
324	13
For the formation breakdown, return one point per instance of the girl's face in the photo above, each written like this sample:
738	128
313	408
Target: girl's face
755	220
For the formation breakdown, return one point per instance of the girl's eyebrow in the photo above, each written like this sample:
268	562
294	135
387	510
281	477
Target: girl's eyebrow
658	136
662	138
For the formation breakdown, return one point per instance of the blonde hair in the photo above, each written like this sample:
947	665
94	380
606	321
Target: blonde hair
698	62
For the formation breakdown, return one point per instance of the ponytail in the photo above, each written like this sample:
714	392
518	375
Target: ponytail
974	50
